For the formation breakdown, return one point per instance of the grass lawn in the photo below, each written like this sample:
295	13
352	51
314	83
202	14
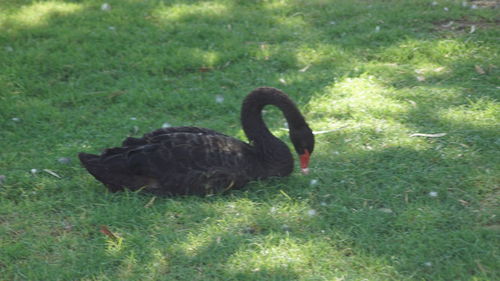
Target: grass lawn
379	204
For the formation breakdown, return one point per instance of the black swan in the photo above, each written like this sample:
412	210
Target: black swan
198	161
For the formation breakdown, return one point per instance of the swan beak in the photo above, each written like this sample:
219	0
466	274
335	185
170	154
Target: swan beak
304	162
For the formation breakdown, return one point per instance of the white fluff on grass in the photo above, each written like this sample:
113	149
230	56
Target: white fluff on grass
105	7
64	160
311	212
219	99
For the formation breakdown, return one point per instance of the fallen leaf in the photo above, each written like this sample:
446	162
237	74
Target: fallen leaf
52	173
104	229
282	81
204	69
472	29
428	135
421	78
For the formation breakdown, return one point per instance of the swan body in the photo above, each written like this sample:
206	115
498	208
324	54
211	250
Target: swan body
191	160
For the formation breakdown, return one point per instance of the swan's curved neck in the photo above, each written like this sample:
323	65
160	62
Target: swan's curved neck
256	130
251	112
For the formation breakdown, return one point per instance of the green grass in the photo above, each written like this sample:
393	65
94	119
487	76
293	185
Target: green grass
74	76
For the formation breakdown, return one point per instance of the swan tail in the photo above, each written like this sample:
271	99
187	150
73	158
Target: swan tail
112	169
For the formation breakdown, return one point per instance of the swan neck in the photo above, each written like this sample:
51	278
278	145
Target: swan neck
251	114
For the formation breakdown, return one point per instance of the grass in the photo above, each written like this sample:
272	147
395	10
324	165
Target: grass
379	204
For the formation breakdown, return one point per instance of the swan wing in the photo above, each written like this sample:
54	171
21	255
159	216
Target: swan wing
165	133
177	163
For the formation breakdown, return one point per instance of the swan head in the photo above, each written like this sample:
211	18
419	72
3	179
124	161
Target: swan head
303	142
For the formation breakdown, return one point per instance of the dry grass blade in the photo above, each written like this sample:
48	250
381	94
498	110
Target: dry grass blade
150	203
52	173
428	135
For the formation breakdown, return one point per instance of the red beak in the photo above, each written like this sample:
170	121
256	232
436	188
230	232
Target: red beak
304	162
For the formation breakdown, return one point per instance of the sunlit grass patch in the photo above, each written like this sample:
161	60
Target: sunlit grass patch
427	51
361	97
179	12
322	54
274	254
38	13
482	114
